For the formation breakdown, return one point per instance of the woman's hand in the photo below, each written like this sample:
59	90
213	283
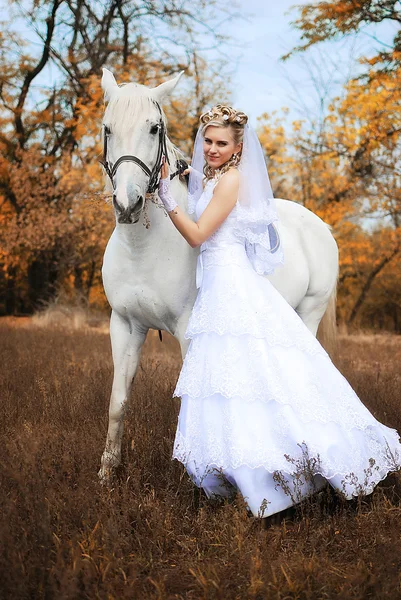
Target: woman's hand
164	173
164	188
223	201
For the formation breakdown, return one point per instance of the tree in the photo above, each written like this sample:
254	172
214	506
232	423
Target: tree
50	133
322	21
319	173
360	139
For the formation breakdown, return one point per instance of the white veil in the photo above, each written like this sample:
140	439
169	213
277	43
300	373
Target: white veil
195	184
255	209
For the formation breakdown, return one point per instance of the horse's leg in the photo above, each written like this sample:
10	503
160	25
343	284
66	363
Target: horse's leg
321	252
311	309
318	307
179	334
126	342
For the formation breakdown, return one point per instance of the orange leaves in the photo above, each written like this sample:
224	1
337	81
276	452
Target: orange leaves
322	21
348	173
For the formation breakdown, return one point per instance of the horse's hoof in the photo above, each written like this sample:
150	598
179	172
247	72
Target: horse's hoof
105	475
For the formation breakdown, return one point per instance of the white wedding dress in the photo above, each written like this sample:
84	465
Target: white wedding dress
261	399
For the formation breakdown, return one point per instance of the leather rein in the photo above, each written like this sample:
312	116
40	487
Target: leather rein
154	174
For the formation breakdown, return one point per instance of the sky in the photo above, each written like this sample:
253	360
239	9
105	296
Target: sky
260	83
263	83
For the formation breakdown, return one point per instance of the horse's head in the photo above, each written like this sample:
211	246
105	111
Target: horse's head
134	135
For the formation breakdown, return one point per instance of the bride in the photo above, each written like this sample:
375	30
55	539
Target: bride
263	408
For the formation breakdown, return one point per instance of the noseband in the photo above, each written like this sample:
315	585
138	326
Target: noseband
111	169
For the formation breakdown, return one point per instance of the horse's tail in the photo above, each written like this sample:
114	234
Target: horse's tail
327	331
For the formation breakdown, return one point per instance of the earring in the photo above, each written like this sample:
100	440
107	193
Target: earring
234	156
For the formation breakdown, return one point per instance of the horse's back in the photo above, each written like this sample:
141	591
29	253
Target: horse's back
310	253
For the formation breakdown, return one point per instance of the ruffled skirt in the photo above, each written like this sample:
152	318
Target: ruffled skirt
263	408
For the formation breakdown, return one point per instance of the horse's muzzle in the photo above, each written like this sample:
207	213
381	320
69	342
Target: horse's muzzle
130	214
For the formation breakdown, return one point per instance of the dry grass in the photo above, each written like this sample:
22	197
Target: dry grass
152	535
59	315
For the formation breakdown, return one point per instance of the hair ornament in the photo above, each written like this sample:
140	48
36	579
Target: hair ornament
224	114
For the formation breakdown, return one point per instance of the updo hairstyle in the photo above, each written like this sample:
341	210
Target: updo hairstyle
224	116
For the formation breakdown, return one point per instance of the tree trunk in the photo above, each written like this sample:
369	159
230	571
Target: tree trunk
10	296
368	283
396	320
42	280
91	277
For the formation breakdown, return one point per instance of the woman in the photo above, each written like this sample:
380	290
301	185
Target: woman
263	408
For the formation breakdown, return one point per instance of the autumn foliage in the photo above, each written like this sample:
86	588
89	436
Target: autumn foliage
54	219
346	167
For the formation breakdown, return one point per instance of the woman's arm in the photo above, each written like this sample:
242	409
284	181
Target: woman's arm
223	201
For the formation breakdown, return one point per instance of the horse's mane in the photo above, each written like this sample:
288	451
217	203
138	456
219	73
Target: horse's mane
133	101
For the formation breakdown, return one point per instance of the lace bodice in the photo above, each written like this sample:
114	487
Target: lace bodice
237	238
224	235
223	247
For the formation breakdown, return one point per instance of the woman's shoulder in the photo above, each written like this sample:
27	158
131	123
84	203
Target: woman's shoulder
229	178
232	173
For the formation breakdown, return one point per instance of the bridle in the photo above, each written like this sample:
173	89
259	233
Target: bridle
111	169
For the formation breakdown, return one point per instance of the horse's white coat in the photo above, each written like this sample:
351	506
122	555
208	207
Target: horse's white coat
149	274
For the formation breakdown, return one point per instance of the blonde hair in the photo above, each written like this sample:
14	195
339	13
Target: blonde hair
225	116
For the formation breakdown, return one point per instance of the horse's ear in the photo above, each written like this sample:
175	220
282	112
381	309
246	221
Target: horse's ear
109	84
164	89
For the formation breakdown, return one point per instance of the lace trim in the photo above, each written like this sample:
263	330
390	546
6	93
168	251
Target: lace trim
246	216
387	460
243	367
351	483
228	438
223	305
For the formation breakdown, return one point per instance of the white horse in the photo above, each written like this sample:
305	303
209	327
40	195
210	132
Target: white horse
149	272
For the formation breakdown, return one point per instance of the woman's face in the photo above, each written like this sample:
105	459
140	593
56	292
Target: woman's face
219	146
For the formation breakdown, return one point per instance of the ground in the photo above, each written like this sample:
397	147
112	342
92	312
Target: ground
151	534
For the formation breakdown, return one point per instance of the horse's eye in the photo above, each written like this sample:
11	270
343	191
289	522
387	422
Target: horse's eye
107	130
154	129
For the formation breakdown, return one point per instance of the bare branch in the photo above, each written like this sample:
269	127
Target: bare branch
30	76
369	281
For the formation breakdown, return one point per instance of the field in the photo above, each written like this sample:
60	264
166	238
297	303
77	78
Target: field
152	535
